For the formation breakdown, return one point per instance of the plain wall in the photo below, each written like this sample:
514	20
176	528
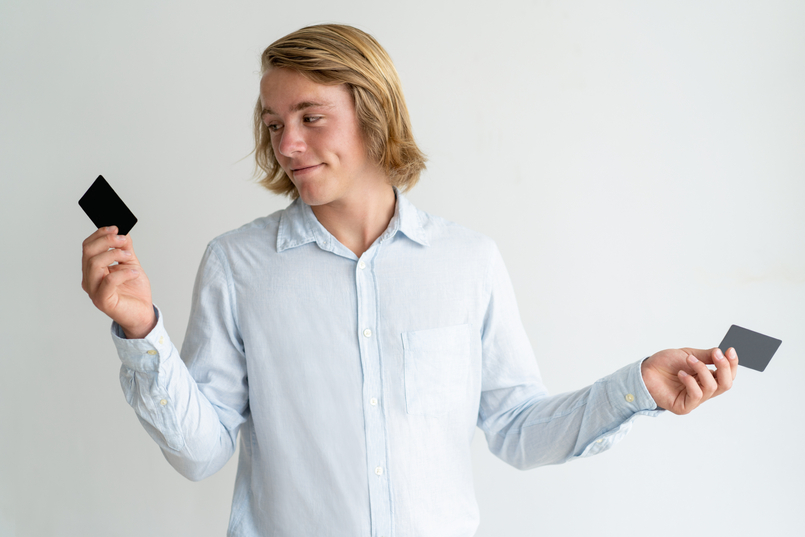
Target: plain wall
641	166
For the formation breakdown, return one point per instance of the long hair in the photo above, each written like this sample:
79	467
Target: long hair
333	54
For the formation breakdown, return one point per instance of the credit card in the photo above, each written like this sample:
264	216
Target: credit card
754	350
105	208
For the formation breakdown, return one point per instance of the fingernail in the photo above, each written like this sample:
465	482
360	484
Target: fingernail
719	355
135	271
121	237
692	359
126	252
683	374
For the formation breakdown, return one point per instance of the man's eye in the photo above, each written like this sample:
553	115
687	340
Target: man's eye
311	119
273	127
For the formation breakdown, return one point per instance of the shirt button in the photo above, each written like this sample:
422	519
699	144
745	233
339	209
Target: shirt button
599	440
163	402
629	397
373	401
152	352
367	333
161	340
379	470
361	265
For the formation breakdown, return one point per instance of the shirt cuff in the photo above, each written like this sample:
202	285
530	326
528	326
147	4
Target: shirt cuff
628	395
627	391
144	354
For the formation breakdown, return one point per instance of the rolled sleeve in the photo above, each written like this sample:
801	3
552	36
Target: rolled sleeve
524	425
192	404
629	397
146	354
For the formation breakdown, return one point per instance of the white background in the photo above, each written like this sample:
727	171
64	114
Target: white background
640	164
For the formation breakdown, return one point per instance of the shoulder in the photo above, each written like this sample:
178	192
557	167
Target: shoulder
463	252
260	234
443	233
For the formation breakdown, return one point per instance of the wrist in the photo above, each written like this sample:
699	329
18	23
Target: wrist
139	331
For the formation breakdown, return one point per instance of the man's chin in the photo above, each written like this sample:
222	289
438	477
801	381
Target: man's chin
313	196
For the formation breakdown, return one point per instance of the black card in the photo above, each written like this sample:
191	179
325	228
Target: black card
754	350
105	208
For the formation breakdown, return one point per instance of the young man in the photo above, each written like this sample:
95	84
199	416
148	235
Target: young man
352	340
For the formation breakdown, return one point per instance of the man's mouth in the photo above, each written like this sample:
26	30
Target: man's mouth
304	168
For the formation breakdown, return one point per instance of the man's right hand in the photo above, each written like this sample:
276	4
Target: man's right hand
121	291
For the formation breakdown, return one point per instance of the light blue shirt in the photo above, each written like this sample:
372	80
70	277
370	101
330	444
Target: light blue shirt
356	384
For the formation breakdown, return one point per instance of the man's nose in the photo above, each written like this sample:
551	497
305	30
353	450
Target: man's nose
291	141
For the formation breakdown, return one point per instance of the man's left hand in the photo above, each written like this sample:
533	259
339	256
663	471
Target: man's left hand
679	379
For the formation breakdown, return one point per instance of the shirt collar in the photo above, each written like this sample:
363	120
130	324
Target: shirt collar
298	225
409	220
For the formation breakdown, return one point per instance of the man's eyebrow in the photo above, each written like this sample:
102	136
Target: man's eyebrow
297	107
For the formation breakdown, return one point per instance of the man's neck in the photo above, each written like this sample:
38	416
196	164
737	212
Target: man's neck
358	220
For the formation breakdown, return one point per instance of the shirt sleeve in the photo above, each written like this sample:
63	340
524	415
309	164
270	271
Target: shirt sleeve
524	425
194	404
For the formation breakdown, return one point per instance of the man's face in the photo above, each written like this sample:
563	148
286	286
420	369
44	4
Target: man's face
316	137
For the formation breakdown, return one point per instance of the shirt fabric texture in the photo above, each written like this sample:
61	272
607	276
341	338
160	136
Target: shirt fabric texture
356	384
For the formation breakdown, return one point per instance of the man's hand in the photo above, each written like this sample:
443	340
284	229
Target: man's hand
679	379
121	291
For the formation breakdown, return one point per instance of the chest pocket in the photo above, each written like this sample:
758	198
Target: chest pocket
437	364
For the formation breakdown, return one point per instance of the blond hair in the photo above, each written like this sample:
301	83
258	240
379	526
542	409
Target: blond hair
333	54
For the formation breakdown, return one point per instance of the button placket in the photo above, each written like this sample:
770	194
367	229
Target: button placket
374	417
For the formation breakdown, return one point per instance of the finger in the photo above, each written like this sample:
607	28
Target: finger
723	371
127	244
101	234
105	299
704	355
732	356
100	241
101	231
99	267
104	239
703	376
693	392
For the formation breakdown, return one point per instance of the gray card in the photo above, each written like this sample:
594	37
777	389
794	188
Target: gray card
754	350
